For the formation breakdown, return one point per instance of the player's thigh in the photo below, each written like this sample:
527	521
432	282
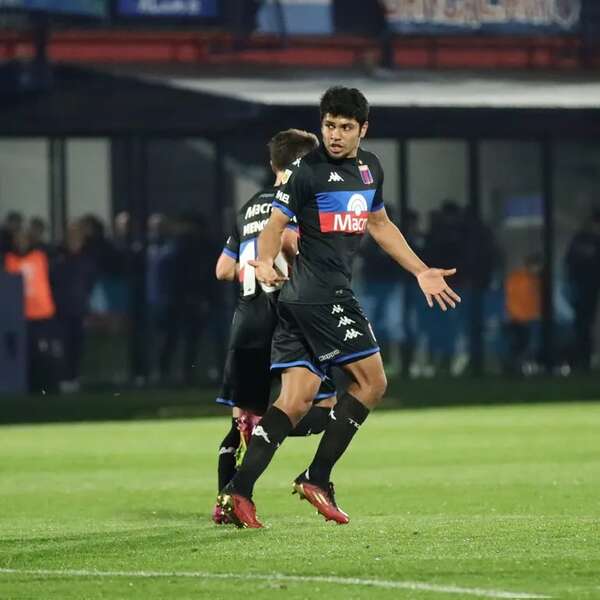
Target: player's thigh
299	386
368	380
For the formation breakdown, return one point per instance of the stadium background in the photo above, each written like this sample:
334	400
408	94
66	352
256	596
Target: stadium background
486	122
131	130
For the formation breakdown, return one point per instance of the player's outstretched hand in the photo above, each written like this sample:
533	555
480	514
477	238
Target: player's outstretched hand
434	286
267	273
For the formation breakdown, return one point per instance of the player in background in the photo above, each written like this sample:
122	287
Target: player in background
247	378
336	195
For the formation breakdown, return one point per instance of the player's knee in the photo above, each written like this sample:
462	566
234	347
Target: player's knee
294	405
375	389
378	388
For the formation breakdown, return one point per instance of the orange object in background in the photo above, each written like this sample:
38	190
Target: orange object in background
33	266
523	289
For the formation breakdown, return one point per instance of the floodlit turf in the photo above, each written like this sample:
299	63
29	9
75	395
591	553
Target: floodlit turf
503	499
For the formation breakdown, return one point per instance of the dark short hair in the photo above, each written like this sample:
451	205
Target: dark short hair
286	146
341	101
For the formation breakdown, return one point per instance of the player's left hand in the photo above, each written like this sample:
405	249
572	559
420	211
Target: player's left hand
434	286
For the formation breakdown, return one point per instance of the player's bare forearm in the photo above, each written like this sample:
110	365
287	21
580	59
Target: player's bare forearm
289	245
269	242
227	268
391	240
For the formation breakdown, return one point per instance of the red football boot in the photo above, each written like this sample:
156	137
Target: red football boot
323	499
239	510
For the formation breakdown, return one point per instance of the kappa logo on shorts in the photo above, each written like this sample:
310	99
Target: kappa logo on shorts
260	432
329	355
337	309
351	334
345	321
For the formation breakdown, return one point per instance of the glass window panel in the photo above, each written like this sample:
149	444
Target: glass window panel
24	177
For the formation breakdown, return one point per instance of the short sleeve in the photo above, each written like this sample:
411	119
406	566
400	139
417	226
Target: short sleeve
378	197
232	245
292	225
297	190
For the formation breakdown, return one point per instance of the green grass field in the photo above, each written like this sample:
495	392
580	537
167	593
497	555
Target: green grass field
495	502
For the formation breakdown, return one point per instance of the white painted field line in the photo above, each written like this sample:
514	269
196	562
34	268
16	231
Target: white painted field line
380	583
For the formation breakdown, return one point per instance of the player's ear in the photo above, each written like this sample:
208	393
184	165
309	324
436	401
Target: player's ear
363	129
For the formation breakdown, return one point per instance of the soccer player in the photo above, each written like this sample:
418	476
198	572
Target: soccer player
247	379
335	193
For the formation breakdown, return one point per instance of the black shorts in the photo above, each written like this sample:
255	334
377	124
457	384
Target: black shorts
318	336
246	377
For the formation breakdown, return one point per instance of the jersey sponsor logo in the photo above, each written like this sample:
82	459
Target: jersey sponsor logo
254	227
281	197
334	176
263	208
329	355
337	309
344	212
345	321
352	334
260	432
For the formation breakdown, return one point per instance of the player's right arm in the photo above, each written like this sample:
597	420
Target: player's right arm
269	246
286	206
228	267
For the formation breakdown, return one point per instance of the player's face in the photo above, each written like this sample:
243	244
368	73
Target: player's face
341	136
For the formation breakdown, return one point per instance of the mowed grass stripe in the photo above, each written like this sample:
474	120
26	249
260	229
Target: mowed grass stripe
499	498
375	583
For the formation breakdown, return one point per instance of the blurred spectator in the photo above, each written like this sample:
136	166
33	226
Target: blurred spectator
191	283
523	289
13	223
444	246
44	348
73	276
414	302
159	256
583	272
109	297
122	231
381	294
37	233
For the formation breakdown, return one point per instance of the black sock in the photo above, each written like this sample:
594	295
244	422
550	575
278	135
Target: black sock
272	429
227	450
345	419
313	422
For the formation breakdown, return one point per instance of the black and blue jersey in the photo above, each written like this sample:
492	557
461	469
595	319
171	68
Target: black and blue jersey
331	200
241	244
